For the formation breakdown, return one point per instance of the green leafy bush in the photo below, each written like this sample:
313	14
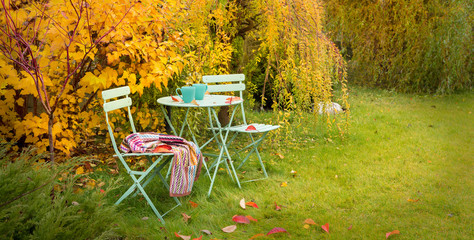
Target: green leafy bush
34	204
408	46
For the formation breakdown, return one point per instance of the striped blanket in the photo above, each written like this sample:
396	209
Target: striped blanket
187	158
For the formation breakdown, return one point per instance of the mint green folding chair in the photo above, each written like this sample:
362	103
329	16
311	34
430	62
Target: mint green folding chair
235	83
117	99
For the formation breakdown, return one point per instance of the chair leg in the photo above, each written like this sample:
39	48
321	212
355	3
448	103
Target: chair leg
255	145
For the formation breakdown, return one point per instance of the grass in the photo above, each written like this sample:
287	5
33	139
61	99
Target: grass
406	164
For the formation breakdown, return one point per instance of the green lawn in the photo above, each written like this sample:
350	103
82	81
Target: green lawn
406	164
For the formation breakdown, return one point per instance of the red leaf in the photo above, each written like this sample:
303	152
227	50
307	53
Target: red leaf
391	233
251	204
175	99
325	227
182	236
233	99
102	190
278	208
251	218
276	230
199	238
250	128
193	204
350	227
257	235
240	219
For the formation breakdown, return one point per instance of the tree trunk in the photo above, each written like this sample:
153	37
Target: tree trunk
51	136
224	116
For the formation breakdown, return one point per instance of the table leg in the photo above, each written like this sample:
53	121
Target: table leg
221	141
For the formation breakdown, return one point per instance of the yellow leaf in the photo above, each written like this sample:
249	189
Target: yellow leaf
284	184
79	170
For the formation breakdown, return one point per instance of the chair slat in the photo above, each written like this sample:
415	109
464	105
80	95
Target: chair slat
223	78
117	104
226	88
116	92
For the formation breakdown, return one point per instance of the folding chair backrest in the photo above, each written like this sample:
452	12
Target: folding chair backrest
117	99
227	83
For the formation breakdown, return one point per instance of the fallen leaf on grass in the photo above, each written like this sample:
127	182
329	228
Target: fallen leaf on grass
413	200
251	204
257	235
186	217
193	204
278	208
350	227
284	184
250	128
276	230
79	170
230	228
306	226
199	238
144	218
240	219
242	203
206	232
309	221
251	218
325	227
182	236
391	233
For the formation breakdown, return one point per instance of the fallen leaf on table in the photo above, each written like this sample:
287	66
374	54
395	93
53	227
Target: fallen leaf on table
251	204
325	227
182	236
391	233
193	204
309	221
206	232
233	99
230	228
257	235
276	230
242	203
194	102
186	217
240	219
250	128
207	93
175	99
251	218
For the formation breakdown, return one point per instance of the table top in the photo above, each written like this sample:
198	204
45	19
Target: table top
208	101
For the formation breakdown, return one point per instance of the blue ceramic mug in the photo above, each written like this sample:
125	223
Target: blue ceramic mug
187	93
200	90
